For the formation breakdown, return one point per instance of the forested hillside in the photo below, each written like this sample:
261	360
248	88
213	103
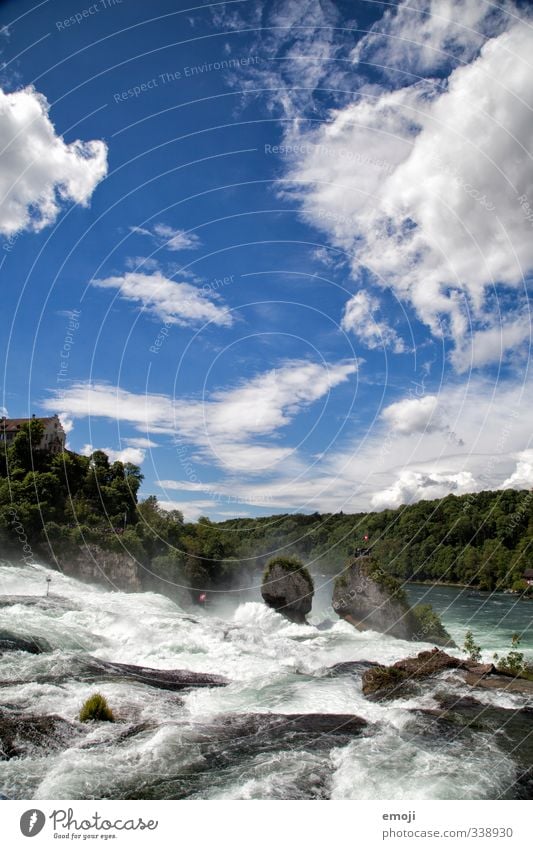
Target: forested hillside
56	502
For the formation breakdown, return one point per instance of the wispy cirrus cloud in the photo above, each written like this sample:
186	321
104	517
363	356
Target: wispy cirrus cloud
410	454
169	238
227	427
171	301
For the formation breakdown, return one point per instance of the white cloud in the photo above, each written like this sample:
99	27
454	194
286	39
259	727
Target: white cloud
413	415
522	477
125	455
141	263
169	238
66	422
192	510
390	467
226	426
140	442
491	345
430	35
412	486
440	213
307	45
359	319
172	302
38	170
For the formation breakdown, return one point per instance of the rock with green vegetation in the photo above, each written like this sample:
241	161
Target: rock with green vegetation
288	588
370	599
429	628
387	681
97	709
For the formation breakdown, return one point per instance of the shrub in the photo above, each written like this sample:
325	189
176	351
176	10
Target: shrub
471	649
97	709
428	626
513	663
291	564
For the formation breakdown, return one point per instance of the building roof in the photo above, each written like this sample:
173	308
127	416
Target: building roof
14	424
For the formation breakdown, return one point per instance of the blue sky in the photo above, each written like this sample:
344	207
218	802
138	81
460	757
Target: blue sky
277	253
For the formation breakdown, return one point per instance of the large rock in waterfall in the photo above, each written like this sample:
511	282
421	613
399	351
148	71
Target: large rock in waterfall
288	588
370	599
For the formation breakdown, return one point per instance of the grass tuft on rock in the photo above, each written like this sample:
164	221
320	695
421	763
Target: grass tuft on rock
96	708
291	564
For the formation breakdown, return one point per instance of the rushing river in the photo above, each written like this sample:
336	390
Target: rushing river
209	742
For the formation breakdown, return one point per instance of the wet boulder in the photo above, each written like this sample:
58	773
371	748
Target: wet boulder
288	588
95	669
14	642
24	735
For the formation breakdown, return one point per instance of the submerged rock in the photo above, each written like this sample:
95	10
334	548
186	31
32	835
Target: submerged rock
508	728
288	588
13	642
25	735
350	667
43	602
163	679
270	726
497	681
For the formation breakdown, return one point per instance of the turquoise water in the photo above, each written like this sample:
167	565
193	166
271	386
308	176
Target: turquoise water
492	617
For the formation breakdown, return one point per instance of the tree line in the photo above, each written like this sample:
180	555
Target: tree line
65	500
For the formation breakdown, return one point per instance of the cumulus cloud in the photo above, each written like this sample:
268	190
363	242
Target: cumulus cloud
125	455
429	186
412	486
359	319
413	415
169	238
226	425
522	477
38	170
171	301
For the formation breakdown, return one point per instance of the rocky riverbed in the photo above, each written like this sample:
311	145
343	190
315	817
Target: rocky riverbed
240	703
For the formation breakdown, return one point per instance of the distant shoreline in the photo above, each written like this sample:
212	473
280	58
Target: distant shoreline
519	596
